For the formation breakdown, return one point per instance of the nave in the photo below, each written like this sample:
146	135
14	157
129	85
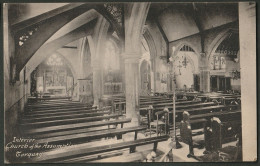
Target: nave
70	131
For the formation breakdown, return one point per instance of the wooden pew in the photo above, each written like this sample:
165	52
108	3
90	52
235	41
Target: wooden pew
225	115
202	121
88	136
182	107
57	105
69	121
220	132
74	109
120	105
37	99
186	127
195	111
204	110
143	106
62	129
63	112
231	100
63	117
53	110
55	101
67	153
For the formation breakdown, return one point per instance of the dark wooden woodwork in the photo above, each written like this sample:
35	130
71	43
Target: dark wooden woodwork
59	155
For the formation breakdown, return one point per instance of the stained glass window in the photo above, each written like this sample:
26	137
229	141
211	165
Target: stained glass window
54	60
218	63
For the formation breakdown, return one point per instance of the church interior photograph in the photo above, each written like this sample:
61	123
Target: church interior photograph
102	82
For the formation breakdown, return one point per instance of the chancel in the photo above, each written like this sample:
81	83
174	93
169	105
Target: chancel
126	82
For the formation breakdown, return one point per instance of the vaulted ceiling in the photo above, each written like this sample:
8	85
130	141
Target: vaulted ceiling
176	20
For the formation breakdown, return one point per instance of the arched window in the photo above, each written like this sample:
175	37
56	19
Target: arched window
227	50
187	48
218	62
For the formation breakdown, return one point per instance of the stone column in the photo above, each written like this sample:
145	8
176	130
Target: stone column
205	80
204	73
132	88
97	82
247	39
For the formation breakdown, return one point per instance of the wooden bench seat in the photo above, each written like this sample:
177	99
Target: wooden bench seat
51	106
196	111
59	108
222	115
72	131
70	152
200	110
204	111
67	127
60	117
81	137
144	106
54	101
57	113
181	107
69	121
155	104
220	132
197	123
48	98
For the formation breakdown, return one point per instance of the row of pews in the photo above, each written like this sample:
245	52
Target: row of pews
91	134
69	131
216	117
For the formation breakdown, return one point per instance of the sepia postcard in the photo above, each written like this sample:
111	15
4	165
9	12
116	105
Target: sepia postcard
106	82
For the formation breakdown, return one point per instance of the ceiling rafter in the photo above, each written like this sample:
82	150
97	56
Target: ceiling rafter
198	23
164	37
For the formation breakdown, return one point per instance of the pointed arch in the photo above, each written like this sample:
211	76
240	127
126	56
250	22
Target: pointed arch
216	42
134	26
152	47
